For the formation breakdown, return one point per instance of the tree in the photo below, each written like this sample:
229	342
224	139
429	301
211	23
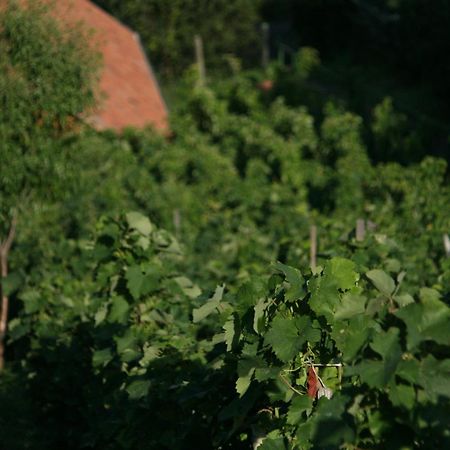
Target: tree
46	82
167	29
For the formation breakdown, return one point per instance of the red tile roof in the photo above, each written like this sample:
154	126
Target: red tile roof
130	90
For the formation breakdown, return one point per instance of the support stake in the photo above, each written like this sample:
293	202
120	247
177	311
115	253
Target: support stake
265	55
360	230
313	246
200	58
177	222
446	240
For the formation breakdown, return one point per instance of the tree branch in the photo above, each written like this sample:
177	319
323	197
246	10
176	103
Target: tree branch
5	246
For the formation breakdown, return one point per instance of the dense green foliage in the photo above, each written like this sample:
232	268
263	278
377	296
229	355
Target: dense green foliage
198	322
46	82
167	29
371	51
382	59
392	379
108	344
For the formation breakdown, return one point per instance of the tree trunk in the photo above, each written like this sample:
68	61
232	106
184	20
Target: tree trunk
5	246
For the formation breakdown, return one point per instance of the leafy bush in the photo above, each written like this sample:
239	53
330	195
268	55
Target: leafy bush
107	339
168	29
47	81
339	359
125	335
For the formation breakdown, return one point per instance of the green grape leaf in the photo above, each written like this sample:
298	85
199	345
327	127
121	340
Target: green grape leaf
351	305
435	375
127	346
378	423
370	372
189	289
331	430
11	283
342	270
403	300
246	369
429	320
258	316
119	310
151	352
387	345
211	305
249	294
18	328
138	389
101	357
283	338
140	283
243	382
143	242
300	405
151	282
409	370
382	281
379	373
101	314
402	395
231	332
338	275
324	297
272	444
139	222
296	281
307	330
31	301
429	295
351	335
135	279
304	432
266	373
392	265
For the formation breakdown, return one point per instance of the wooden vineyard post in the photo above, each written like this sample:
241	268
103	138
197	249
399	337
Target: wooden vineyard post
200	59
265	55
446	240
177	222
360	230
313	246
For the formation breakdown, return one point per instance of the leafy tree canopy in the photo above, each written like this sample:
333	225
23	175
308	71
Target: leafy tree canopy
167	29
47	80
